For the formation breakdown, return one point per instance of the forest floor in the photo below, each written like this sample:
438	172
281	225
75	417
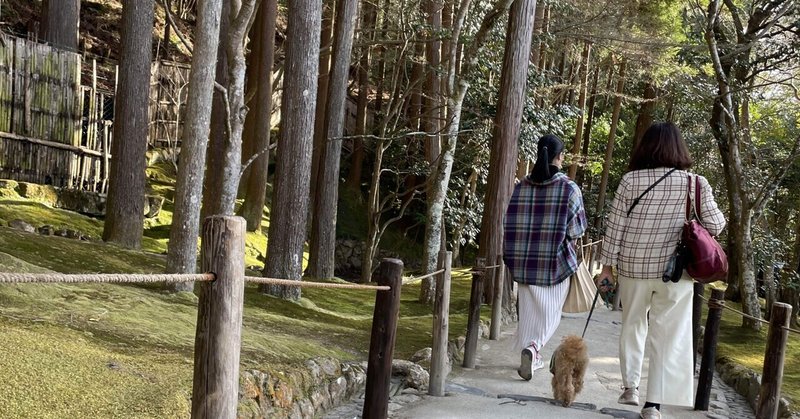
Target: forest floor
96	350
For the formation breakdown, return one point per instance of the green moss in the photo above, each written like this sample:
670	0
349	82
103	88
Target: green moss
67	374
747	347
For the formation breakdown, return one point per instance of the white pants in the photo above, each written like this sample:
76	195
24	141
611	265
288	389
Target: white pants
539	314
668	335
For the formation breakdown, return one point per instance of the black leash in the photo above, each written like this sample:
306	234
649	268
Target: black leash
594	303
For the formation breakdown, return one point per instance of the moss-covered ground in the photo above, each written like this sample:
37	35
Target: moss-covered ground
747	347
105	350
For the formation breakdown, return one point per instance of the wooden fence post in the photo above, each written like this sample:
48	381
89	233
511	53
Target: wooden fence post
217	344
697	315
709	350
381	344
772	376
497	302
441	326
474	318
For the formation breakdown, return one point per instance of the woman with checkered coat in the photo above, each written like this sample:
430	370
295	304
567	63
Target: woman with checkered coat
544	218
642	232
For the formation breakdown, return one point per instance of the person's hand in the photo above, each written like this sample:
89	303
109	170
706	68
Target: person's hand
605	280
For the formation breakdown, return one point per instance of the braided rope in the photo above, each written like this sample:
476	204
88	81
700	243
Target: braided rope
8	278
418	278
305	284
721	304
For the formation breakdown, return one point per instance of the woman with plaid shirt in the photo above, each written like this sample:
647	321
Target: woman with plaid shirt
642	232
544	218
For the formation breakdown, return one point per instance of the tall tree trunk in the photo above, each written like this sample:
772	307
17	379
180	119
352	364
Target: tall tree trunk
587	129
433	145
457	87
293	170
646	112
219	134
506	130
612	135
224	197
251	78
182	250
125	204
323	224
60	22
369	16
576	144
256	187
326	41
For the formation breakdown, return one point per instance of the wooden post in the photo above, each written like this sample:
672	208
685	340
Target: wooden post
772	376
441	326
215	390
381	344
697	315
709	351
497	302
474	318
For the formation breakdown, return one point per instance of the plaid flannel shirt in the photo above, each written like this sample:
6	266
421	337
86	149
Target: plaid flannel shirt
541	223
640	245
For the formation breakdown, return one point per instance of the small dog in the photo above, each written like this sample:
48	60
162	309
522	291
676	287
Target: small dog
568	367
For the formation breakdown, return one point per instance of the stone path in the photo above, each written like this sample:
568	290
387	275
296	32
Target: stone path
494	390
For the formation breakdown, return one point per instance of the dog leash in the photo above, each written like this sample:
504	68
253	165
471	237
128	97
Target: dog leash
594	303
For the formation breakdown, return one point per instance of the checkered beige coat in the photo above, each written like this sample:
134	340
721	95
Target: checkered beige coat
641	244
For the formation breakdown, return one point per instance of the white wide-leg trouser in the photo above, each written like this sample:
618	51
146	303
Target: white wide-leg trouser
539	314
668	336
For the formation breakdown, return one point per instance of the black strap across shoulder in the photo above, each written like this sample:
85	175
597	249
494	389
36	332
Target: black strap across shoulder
636	201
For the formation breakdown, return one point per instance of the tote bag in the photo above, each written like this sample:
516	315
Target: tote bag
581	291
707	261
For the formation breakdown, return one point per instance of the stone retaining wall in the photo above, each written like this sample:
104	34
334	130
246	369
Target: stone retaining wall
748	383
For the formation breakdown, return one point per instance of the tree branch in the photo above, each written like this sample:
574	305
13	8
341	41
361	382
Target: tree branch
167	5
760	202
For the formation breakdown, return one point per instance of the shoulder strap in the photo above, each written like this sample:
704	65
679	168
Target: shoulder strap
697	199
636	201
688	197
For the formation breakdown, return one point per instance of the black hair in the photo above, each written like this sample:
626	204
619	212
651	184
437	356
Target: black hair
548	147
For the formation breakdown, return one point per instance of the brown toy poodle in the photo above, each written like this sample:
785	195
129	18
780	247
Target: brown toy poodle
568	367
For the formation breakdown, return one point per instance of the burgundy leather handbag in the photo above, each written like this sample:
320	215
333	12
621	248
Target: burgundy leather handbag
707	260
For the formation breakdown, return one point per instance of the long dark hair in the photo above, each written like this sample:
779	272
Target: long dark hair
549	146
661	146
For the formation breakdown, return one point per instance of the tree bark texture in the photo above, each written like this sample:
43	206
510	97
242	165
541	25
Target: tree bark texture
323	224
612	135
587	130
256	188
369	18
60	21
125	203
506	129
432	120
287	228
576	143
646	112
182	250
219	132
326	41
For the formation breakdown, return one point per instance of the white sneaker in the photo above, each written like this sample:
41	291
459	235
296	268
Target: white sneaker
629	396
650	413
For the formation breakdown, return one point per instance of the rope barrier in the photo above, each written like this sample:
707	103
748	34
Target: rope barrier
306	284
418	278
720	303
7	278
